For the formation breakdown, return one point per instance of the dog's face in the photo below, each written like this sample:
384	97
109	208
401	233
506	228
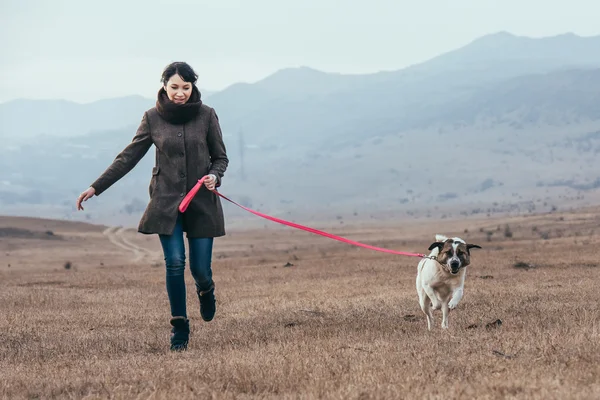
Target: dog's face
454	253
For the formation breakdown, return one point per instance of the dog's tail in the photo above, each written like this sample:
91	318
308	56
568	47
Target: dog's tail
440	238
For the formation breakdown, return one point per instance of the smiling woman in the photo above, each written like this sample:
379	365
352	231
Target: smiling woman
189	145
177	79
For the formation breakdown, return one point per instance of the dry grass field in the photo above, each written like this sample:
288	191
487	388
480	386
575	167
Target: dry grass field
84	314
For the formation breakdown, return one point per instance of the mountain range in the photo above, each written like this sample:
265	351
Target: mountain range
502	124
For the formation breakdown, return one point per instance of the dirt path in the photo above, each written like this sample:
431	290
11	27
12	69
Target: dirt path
116	235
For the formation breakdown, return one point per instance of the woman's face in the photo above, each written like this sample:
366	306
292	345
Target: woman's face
178	90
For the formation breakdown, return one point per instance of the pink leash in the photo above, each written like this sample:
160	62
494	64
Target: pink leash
188	199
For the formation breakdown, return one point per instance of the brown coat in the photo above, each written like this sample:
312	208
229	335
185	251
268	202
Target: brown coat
184	153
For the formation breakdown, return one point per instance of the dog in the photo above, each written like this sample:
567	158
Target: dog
441	276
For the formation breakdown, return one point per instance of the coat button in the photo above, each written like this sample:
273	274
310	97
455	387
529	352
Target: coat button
182	175
178	133
182	154
181	194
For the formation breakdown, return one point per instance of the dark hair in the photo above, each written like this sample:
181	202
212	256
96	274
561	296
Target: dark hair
180	68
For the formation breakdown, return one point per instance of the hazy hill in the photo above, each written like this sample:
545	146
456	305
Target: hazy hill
557	98
502	50
27	118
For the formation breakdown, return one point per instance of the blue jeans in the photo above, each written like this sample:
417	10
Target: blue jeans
200	266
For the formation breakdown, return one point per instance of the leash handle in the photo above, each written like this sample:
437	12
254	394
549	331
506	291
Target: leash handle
188	198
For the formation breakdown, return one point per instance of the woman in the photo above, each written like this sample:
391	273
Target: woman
189	145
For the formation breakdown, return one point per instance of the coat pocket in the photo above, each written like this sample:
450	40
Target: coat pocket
155	171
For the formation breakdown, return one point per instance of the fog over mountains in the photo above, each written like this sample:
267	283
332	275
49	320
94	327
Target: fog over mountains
503	124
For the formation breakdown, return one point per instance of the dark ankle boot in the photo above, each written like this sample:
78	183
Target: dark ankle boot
208	305
180	333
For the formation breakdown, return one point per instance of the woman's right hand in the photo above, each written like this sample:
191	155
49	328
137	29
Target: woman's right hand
84	196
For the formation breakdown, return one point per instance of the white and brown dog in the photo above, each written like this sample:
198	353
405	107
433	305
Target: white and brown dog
441	276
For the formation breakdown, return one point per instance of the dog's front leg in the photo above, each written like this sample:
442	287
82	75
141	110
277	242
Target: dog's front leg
456	297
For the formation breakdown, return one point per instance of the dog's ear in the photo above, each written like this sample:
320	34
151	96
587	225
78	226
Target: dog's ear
436	244
472	246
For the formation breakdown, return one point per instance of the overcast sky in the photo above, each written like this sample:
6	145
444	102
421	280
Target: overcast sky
84	50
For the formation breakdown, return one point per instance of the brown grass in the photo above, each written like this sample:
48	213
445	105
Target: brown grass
342	322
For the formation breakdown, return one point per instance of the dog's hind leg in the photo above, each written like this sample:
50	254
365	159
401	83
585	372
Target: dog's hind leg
424	302
435	302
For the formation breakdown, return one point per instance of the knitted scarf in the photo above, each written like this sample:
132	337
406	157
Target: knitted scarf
178	113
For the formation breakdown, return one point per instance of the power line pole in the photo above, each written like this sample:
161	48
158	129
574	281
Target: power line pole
242	148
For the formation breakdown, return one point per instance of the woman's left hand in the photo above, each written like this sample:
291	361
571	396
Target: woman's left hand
210	182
